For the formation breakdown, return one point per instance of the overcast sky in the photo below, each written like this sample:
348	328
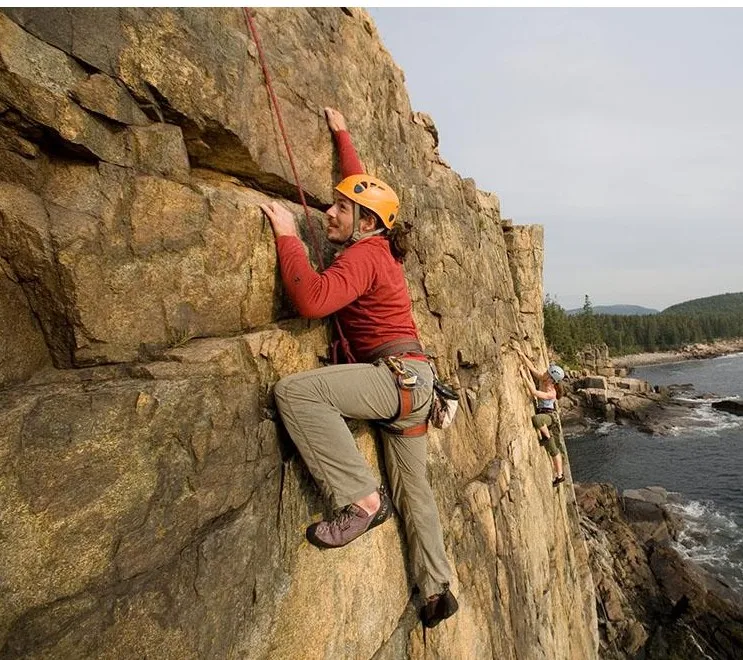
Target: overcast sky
619	130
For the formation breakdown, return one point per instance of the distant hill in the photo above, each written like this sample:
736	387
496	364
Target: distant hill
619	310
726	303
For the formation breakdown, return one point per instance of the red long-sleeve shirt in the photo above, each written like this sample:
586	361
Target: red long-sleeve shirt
365	285
349	159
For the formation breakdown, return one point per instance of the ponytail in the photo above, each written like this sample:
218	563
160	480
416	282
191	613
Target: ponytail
397	236
399	240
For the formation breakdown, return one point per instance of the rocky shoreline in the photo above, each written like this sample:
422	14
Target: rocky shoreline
604	391
622	400
651	602
690	352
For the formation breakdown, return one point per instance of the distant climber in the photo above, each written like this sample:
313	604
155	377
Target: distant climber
546	414
389	382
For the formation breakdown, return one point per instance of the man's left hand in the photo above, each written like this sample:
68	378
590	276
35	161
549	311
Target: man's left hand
281	218
336	121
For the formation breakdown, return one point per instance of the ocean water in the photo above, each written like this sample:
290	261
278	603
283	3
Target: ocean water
701	459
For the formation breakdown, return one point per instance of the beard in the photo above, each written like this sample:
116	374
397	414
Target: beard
337	239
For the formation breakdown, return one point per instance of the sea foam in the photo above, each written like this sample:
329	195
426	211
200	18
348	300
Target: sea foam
711	538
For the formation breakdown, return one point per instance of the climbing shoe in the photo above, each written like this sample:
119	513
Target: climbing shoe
348	524
558	480
438	607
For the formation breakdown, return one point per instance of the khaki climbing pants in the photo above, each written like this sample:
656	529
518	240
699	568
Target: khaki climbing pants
313	405
553	446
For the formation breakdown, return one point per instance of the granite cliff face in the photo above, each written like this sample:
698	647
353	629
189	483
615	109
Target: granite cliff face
150	504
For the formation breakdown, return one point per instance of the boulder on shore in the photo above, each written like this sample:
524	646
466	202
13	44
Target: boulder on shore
730	406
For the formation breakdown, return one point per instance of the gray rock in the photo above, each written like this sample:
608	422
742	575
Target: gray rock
729	406
594	382
659	605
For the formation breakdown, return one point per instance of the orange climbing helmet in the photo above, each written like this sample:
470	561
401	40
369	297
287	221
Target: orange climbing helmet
373	194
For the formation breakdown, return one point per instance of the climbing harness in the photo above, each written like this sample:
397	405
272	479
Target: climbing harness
342	342
411	347
444	401
443	404
407	381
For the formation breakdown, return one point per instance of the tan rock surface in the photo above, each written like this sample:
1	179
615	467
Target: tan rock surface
151	506
23	350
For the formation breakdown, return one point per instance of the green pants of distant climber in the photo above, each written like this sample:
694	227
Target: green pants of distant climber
313	405
553	446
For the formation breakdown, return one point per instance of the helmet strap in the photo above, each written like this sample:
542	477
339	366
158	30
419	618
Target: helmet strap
357	235
356	221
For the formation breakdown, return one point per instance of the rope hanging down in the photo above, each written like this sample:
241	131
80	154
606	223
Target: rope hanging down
277	111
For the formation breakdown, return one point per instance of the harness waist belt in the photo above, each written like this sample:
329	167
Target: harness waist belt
545	410
395	347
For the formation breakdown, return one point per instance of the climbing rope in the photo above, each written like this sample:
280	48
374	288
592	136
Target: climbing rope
277	111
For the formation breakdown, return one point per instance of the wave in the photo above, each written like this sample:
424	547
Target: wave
712	538
705	400
703	419
729	356
594	427
696	510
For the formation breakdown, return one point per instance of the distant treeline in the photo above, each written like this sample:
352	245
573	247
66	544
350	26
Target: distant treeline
726	303
696	321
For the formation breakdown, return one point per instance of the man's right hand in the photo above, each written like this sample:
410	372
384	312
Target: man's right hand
282	219
336	121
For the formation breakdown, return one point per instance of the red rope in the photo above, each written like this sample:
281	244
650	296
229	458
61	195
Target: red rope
277	110
262	59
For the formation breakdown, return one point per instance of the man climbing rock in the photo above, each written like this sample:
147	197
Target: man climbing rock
388	378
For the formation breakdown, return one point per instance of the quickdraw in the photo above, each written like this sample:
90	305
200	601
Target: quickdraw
406	378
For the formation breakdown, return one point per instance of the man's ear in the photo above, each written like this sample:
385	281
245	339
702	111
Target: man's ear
367	221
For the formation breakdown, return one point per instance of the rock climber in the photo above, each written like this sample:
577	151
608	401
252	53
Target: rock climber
389	380
546	414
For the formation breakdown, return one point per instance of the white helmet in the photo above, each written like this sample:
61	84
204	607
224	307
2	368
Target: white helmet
556	373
